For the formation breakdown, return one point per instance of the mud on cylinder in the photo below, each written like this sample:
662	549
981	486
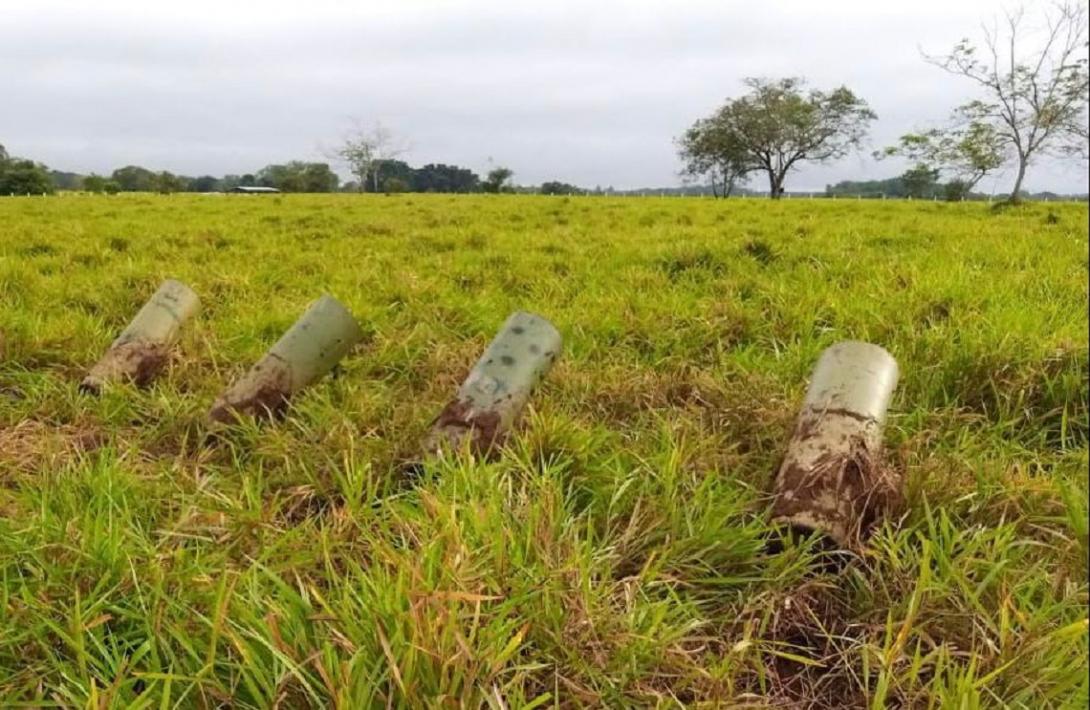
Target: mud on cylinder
307	351
143	348
490	401
832	479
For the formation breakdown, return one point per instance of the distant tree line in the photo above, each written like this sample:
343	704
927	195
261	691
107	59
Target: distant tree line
399	176
21	176
925	187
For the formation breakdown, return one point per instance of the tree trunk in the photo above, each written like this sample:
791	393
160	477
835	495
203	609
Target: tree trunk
310	349
1016	197
775	185
491	399
143	348
833	480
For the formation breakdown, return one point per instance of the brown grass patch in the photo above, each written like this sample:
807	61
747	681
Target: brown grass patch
32	446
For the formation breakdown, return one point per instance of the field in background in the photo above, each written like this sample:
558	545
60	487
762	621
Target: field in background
614	555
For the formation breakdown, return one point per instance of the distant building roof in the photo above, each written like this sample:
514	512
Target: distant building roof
254	190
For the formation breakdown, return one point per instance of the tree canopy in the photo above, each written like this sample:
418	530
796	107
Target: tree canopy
555	187
498	180
773	128
298	176
967	152
711	150
23	177
1033	85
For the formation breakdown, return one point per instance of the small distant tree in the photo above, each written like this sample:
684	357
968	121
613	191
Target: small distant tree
133	178
63	180
94	183
555	187
498	180
780	124
167	182
204	183
956	191
393	185
366	150
317	177
920	181
437	177
1034	100
22	177
712	151
298	176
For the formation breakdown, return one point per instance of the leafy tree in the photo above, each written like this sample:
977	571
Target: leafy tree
779	124
133	178
920	181
956	191
968	151
94	183
298	176
437	177
22	177
498	180
166	183
391	169
1034	101
367	151
393	185
204	183
712	151
63	180
556	187
318	177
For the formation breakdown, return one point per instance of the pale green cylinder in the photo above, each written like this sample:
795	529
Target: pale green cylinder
160	320
491	399
143	347
323	335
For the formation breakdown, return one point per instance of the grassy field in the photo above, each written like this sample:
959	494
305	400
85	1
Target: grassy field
615	555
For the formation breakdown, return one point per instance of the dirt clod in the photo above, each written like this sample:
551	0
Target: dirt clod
136	361
263	393
458	422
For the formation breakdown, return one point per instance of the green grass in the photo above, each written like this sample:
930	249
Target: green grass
614	556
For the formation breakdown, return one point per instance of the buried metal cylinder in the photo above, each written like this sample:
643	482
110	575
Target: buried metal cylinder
833	480
491	399
308	350
143	348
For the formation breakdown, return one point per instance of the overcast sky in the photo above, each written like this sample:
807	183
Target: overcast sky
586	92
